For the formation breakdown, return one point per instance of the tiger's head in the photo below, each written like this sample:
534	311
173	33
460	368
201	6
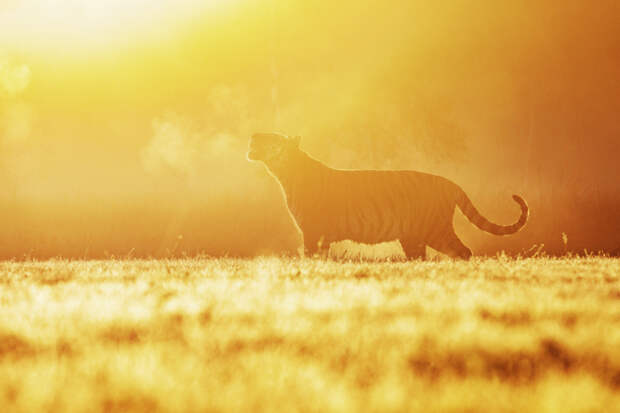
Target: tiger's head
272	148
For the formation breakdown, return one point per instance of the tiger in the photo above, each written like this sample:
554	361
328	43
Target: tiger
370	206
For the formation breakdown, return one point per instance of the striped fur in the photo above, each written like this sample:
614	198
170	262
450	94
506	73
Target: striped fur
370	206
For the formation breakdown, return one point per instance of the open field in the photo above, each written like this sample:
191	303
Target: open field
273	334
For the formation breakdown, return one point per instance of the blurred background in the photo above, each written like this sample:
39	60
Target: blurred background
124	124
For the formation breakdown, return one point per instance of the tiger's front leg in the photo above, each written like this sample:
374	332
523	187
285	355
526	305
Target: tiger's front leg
315	245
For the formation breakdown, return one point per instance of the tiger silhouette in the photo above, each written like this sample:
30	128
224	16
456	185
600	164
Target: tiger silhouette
370	206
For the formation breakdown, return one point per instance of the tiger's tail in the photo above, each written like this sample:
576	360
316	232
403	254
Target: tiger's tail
470	211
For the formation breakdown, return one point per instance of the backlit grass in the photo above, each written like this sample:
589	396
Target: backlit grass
273	334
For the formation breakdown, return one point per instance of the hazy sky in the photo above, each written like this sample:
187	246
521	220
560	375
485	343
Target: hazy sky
122	109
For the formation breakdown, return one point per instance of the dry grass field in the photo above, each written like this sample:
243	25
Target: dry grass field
278	334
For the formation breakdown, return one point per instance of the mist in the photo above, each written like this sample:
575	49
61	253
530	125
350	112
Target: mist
140	151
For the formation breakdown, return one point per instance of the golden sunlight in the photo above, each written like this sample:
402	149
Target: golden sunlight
300	205
59	25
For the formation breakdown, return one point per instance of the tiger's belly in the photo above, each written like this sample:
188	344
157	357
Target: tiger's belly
369	224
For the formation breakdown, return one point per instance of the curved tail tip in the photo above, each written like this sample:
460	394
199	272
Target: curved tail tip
524	208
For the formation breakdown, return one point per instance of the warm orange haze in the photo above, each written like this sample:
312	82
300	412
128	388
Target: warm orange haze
124	124
163	162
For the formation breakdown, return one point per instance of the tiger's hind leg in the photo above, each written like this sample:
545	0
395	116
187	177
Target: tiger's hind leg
414	250
449	243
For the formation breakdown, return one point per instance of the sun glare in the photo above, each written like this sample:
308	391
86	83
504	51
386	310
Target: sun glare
63	25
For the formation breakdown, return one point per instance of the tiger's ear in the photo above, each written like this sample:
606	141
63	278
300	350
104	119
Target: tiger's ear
296	140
